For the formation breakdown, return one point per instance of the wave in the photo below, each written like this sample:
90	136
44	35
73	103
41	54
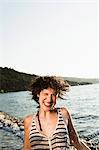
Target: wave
86	117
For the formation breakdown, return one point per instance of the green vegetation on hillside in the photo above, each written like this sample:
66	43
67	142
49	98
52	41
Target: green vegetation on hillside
11	80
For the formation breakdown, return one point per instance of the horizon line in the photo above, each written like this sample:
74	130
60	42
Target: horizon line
50	75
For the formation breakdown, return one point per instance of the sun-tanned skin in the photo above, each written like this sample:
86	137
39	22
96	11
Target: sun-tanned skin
48	119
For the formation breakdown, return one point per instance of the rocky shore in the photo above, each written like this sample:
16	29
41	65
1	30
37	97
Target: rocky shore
14	125
11	124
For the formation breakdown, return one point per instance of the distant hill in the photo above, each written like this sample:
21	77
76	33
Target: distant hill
12	80
81	81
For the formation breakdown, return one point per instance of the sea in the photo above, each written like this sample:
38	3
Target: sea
82	102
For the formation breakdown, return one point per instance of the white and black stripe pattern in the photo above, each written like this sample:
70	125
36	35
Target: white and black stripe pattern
59	139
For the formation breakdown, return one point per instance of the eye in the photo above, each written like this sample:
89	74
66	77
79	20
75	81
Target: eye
46	94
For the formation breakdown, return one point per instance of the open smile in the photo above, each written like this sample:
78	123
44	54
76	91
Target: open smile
47	104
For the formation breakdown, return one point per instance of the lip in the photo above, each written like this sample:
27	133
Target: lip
47	105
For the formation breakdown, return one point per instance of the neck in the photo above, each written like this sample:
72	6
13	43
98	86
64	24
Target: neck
44	114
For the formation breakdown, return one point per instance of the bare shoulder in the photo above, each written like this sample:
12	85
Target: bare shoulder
28	120
27	127
65	112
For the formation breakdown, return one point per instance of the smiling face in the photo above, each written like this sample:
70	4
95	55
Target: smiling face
47	99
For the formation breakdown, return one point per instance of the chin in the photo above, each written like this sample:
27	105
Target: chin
45	108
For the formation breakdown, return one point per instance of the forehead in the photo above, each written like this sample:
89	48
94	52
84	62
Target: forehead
48	90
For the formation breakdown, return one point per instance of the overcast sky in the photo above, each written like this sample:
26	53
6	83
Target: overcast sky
51	37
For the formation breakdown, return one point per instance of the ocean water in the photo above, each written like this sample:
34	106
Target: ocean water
81	101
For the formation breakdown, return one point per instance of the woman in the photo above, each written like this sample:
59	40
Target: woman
50	128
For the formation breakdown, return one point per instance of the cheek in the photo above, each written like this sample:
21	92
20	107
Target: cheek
41	99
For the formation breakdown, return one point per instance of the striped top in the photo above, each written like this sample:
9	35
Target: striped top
58	141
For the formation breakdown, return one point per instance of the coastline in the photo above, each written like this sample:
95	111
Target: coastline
14	81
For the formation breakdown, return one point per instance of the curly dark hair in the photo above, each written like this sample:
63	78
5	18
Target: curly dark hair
43	82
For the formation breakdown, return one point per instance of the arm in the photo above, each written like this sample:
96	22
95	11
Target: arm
84	146
27	124
74	139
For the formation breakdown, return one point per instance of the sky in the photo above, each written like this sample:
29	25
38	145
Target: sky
50	37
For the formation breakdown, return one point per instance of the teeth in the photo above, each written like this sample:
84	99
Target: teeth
47	105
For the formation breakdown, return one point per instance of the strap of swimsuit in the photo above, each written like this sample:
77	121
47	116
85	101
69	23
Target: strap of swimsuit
39	120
